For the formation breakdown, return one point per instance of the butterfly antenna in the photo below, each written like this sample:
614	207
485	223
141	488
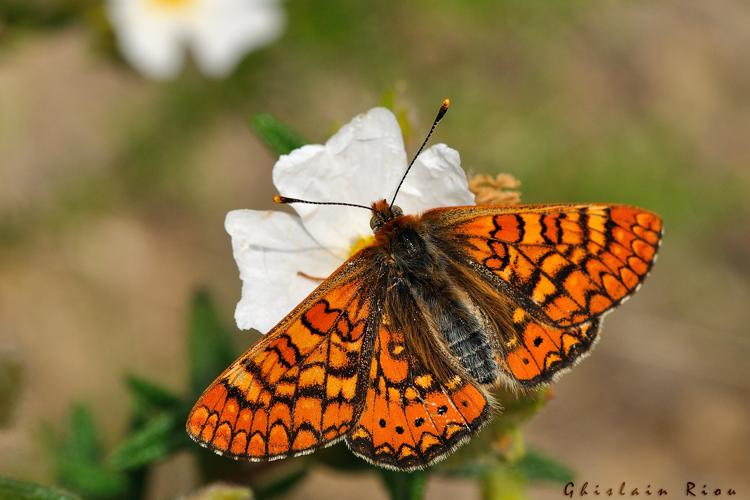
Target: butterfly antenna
285	200
440	114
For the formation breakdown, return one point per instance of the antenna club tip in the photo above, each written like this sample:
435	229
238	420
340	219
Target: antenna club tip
278	199
443	109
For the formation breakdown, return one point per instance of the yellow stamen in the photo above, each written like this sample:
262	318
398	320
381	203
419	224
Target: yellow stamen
171	4
360	243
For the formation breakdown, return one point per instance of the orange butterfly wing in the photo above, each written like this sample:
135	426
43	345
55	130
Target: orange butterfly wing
299	388
410	419
564	266
538	352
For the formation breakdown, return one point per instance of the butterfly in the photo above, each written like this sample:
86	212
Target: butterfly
397	350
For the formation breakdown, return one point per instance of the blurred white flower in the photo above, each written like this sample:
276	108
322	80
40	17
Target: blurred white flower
361	164
154	34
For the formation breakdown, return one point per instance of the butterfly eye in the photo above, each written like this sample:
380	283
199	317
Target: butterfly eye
375	222
397	212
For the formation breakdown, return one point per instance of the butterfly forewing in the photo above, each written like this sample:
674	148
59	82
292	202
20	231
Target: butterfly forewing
302	386
565	264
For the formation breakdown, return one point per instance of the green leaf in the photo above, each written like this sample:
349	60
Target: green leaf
92	480
404	485
150	395
278	137
10	489
210	345
537	467
158	438
83	442
77	459
280	486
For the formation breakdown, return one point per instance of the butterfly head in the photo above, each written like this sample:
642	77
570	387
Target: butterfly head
382	213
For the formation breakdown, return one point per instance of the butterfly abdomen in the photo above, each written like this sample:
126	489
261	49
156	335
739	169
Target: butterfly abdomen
467	341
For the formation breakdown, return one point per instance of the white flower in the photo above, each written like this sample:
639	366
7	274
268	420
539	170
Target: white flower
153	34
361	164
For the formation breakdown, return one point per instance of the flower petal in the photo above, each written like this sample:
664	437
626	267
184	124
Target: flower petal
225	30
435	180
361	164
270	249
150	40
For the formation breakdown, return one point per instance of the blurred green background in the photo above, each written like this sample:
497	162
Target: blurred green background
113	191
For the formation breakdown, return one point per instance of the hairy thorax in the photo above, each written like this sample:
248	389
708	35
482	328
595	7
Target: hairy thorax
422	283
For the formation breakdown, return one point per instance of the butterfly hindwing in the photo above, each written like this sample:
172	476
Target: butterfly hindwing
564	264
528	352
411	418
301	386
537	352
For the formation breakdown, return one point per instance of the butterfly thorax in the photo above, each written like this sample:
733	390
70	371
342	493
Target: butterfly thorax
421	285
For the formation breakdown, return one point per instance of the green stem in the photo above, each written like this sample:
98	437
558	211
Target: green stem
503	483
405	485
